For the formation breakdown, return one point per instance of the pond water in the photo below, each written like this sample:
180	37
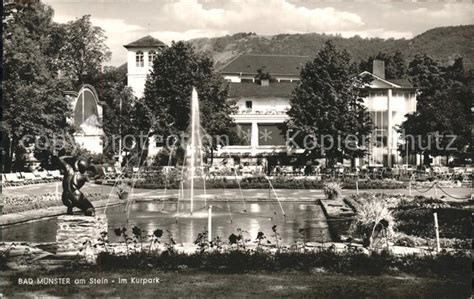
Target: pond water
227	218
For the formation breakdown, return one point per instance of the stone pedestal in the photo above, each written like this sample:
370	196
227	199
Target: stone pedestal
74	231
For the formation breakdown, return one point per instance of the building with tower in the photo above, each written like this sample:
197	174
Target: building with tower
262	102
140	56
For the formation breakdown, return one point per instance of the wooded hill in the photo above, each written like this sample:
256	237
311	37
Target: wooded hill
442	43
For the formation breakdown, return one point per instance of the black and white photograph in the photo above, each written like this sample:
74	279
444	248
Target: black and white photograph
237	149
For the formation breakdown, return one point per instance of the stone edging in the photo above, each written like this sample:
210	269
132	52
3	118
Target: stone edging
33	215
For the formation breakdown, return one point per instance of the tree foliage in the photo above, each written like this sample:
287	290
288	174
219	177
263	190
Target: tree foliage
442	123
41	61
395	65
83	51
33	103
440	43
328	102
119	107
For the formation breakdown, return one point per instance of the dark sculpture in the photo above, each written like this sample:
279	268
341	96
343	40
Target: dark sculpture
75	176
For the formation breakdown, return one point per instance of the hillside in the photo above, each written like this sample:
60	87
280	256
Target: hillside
443	44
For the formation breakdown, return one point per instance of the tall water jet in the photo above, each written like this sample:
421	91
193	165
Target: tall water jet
194	149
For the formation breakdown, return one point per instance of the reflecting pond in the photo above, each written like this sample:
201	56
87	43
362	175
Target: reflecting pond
227	218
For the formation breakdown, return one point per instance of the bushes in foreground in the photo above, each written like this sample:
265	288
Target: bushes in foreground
414	222
352	260
261	182
416	218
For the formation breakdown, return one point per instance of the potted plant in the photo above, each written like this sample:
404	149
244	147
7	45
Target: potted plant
332	190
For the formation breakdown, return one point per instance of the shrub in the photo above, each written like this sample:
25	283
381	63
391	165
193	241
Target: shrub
332	190
158	180
352	260
419	221
373	222
376	184
15	204
414	241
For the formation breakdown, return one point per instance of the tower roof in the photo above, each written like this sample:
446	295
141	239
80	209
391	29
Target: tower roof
146	42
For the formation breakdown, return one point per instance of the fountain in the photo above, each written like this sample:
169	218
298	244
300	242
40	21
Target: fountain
194	165
195	147
192	208
195	169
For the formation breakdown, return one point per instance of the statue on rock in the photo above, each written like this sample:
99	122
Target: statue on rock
75	176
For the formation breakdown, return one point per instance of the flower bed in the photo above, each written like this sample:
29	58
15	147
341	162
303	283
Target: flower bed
15	204
261	182
414	221
240	255
416	218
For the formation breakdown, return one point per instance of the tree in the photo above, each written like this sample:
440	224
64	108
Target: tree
82	50
328	103
395	65
119	105
33	103
167	97
441	124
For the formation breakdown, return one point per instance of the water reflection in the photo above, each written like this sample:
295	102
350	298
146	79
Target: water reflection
150	216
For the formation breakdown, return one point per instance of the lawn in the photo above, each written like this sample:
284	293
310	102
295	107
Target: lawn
188	283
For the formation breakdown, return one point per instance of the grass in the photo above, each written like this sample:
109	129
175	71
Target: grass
188	283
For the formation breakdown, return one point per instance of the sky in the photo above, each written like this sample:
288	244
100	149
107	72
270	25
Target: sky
127	20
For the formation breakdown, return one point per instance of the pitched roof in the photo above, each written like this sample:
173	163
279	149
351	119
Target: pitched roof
404	83
254	90
147	41
392	83
274	64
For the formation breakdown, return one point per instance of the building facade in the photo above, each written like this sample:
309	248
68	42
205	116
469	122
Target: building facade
388	102
262	107
140	56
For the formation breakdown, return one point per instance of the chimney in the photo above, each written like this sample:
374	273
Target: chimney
378	68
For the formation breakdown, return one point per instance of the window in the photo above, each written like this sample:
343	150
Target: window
244	134
86	108
380	120
248	104
139	59
151	56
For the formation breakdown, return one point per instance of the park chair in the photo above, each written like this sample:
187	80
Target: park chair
31	178
44	176
396	173
5	182
118	171
110	172
56	174
14	179
108	175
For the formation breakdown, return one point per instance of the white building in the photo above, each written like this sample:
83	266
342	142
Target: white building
140	56
262	105
388	102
